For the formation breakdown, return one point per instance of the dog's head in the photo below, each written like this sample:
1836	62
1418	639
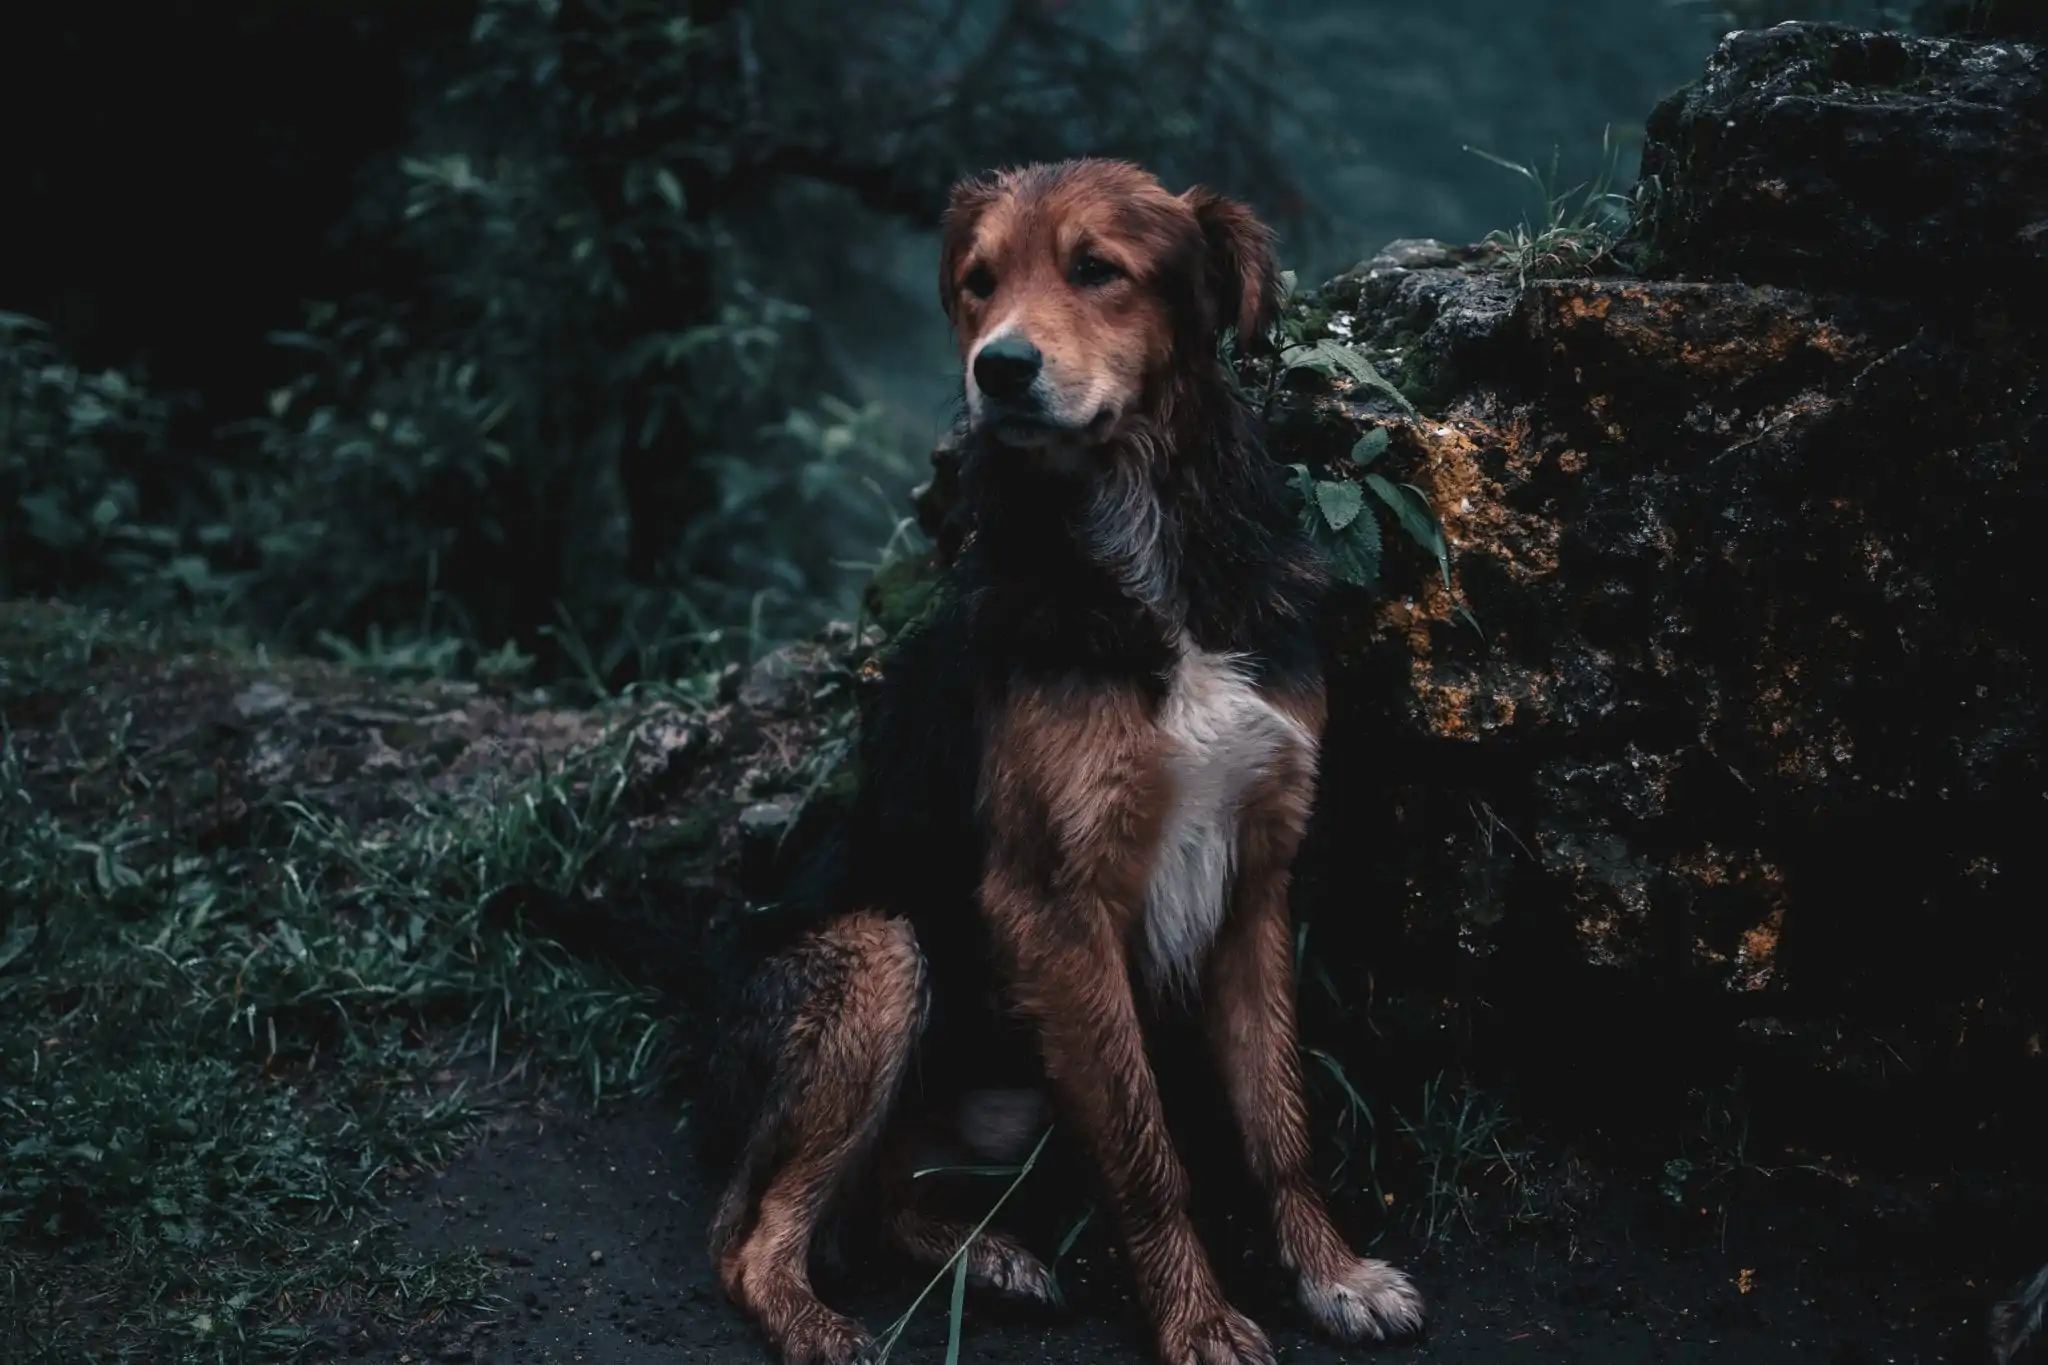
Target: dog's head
1079	291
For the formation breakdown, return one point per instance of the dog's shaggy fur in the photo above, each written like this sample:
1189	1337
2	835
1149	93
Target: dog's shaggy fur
1083	789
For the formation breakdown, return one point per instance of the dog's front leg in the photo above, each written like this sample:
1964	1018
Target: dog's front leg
1069	978
1074	792
1251	1027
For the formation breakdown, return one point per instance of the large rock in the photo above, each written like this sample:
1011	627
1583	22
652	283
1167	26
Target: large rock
1754	736
1868	160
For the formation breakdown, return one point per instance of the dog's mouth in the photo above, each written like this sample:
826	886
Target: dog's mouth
1031	431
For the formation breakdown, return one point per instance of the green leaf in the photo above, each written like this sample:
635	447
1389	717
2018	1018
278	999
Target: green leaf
1464	613
1333	358
1332	514
669	188
1304	485
957	1309
1370	447
1411	508
1355	553
1310	357
1340	502
1073	1235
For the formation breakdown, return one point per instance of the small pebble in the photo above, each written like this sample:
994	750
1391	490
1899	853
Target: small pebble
597	1258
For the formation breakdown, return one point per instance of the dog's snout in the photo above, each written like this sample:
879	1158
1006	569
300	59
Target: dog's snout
1006	368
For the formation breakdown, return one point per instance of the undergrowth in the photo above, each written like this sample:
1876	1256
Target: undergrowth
213	1060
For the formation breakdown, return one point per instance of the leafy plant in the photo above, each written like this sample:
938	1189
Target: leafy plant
1331	357
86	501
1334	512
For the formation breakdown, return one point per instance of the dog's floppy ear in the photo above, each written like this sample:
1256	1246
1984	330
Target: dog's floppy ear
1243	271
964	206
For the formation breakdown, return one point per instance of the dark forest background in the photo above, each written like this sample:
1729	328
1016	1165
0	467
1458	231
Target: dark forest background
580	340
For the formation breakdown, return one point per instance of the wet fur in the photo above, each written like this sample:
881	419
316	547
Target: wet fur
1083	786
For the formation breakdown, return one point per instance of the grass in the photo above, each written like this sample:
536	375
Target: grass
215	1058
1453	1145
1579	227
1458	1138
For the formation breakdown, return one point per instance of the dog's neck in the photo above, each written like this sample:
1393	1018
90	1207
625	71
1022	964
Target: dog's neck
1175	513
1130	527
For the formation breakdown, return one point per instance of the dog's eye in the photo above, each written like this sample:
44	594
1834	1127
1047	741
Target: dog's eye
1090	271
980	282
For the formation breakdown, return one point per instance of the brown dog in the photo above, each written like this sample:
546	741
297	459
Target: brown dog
1083	787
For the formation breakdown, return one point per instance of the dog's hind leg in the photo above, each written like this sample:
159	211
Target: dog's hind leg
835	1021
1252	1031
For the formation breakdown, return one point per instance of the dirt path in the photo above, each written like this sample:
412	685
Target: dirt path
598	1228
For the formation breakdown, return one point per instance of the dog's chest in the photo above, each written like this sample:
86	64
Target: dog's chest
1221	737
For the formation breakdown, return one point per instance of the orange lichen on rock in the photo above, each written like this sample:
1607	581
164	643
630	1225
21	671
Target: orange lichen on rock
1718	333
1756	963
1578	308
1446	707
1750	963
1470	503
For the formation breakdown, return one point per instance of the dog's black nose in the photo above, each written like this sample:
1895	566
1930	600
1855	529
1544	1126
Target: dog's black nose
1006	367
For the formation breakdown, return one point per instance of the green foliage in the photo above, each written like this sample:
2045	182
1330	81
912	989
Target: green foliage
1335	513
587	431
77	452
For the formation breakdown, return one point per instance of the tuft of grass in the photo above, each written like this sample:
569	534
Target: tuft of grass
1356	1132
214	1060
1458	1138
1579	227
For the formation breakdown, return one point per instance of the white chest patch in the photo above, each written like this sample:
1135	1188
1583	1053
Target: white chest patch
1222	736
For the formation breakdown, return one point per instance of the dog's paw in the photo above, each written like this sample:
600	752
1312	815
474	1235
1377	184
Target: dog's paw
1223	1337
1005	1267
1368	1300
823	1337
